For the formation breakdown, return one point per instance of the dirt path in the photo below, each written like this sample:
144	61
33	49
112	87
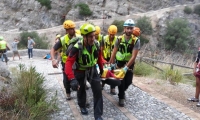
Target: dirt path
178	93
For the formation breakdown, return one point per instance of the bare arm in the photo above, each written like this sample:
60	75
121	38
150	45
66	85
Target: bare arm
113	55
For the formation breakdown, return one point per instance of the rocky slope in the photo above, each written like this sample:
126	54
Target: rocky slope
30	15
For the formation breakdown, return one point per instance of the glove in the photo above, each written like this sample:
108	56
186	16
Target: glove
125	69
113	66
74	84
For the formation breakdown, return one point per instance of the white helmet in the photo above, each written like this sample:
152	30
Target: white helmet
129	23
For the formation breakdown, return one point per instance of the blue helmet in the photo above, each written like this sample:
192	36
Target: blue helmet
129	23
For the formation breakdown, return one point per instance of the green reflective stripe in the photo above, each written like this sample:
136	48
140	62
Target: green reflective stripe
107	47
65	41
100	38
2	45
92	61
122	54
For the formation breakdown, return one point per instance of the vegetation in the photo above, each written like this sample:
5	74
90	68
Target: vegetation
144	23
173	76
119	25
46	3
27	99
187	10
84	9
40	41
197	9
177	35
143	40
143	69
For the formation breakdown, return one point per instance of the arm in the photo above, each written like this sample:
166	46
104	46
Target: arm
134	53
112	59
55	48
69	63
114	52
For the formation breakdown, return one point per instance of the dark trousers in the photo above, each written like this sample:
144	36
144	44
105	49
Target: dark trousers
3	55
66	82
125	84
97	93
30	53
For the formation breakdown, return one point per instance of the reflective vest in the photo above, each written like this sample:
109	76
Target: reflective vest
2	45
88	59
65	43
108	46
124	52
100	37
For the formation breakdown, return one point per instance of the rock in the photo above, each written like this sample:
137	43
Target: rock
4	72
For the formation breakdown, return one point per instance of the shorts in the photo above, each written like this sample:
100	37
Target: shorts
15	52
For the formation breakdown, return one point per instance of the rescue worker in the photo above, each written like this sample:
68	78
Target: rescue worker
62	44
125	52
98	35
107	45
81	66
3	49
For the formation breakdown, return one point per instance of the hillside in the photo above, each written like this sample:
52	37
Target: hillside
16	16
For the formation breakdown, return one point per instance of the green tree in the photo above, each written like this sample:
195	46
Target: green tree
177	35
119	24
40	41
197	10
46	3
187	10
84	9
144	23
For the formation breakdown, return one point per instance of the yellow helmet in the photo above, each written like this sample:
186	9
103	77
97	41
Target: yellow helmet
112	29
69	24
78	32
98	30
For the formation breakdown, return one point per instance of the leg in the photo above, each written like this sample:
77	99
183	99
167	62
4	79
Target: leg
112	90
98	99
129	78
197	88
66	83
124	86
29	53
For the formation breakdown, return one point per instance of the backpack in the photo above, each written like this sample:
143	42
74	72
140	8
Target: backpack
80	46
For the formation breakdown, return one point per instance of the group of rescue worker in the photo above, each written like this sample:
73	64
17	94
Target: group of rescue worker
79	63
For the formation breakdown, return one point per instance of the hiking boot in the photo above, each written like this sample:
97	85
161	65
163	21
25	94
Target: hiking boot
121	102
99	118
193	99
198	104
68	96
84	111
112	91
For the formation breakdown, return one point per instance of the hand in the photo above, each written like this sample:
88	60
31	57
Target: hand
113	66
55	63
125	69
74	84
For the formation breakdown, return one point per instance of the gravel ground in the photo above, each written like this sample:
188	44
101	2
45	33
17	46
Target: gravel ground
139	103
